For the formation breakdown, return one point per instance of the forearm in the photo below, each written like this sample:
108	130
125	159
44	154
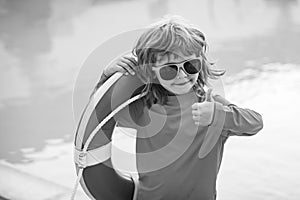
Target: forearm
242	121
238	121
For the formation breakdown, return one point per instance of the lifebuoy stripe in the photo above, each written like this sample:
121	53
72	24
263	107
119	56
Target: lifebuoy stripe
93	156
90	108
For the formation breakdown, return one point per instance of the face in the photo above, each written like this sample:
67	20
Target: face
183	82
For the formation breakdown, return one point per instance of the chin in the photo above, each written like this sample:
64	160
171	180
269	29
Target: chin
181	89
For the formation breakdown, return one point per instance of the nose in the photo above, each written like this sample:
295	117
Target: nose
181	73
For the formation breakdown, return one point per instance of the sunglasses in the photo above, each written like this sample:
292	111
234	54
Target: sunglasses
170	71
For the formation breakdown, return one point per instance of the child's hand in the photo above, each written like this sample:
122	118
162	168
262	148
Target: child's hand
203	112
126	64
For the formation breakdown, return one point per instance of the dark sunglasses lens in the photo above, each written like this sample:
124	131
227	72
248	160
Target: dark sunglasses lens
192	66
168	72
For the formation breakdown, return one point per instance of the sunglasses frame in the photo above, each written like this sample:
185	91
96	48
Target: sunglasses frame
178	65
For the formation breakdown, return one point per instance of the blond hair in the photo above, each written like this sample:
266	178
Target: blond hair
163	38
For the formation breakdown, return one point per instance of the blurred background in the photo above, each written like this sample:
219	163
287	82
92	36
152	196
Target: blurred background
44	43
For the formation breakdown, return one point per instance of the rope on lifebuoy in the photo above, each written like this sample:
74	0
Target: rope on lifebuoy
82	163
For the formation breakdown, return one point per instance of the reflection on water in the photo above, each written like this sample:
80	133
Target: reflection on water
264	166
280	44
43	43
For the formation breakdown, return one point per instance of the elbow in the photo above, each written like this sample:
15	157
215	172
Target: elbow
258	125
261	123
244	122
255	126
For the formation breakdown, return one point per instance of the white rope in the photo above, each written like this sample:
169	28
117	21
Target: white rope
79	175
136	184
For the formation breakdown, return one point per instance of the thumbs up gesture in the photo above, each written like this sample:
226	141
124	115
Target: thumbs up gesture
203	112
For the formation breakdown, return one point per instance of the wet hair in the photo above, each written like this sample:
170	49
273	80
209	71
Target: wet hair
169	35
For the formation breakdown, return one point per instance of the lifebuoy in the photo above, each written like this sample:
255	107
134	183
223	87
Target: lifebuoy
92	152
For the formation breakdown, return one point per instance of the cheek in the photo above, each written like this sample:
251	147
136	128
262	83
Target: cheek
194	78
165	84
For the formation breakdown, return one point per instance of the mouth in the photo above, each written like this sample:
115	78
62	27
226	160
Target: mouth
183	83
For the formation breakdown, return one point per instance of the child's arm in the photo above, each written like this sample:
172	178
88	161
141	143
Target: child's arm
239	121
227	119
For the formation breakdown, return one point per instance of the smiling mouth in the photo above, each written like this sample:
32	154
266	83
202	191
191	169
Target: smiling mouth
180	84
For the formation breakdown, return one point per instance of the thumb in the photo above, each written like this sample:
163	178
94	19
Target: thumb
209	96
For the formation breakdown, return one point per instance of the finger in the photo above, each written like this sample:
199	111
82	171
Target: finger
195	106
122	65
196	118
111	70
132	60
121	68
208	96
127	65
195	112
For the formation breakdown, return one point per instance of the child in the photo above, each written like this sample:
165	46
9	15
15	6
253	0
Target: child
176	118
